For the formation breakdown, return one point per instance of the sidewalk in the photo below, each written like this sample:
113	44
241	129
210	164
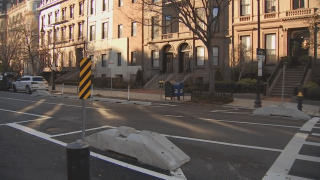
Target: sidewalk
154	95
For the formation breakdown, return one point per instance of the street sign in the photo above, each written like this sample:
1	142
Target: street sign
85	78
261	56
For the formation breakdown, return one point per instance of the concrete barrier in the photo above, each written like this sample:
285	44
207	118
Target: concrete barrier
148	147
282	111
41	93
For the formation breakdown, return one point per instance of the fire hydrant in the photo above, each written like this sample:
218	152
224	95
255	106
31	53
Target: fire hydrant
299	98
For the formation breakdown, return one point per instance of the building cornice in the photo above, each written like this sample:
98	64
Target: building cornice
50	5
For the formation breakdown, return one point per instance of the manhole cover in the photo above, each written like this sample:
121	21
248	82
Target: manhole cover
69	118
53	129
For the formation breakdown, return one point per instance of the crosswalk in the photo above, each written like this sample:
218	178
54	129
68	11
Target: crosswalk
300	160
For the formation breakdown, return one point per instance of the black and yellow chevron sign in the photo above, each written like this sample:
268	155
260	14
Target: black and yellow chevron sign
85	78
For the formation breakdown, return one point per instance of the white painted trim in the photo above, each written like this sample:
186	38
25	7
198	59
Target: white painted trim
309	125
25	113
312	143
308	158
296	178
315	134
280	168
224	143
275	125
75	132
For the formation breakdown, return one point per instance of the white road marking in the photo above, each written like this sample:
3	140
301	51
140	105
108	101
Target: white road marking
24	113
59	104
168	105
315	134
75	132
238	113
312	143
309	125
308	158
123	164
220	110
224	143
40	119
276	125
280	169
297	178
173	116
156	106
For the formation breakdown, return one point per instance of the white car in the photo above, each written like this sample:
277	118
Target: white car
30	83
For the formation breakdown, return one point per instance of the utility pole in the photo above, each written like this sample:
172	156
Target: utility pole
257	102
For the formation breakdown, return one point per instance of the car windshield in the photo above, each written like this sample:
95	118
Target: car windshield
38	79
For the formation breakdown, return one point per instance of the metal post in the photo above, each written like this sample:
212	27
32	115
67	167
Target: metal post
62	89
315	44
160	94
128	92
83	118
91	95
284	69
54	60
257	102
111	79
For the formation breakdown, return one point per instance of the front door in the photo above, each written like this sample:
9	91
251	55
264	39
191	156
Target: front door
169	62
186	61
297	51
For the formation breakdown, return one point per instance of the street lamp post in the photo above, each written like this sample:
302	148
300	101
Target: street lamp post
257	102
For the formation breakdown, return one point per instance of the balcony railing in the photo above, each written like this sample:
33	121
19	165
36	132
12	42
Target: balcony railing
270	15
245	18
300	12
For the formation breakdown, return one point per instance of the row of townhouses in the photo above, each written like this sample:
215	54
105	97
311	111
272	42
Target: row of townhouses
112	35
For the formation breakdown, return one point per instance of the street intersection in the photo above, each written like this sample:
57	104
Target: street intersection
223	142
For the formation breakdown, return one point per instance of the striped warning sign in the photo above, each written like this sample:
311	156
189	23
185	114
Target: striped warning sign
85	78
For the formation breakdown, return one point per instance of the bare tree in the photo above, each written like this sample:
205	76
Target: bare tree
199	16
9	44
241	55
30	41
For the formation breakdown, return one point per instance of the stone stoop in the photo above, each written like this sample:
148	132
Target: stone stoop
292	77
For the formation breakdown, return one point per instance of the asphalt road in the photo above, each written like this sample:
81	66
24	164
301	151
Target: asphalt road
223	142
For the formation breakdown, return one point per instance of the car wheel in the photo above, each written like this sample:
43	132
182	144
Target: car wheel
28	90
14	88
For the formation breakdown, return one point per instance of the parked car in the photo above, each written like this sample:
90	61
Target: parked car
30	83
11	76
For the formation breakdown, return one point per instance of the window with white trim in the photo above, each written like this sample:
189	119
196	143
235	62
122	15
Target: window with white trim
200	56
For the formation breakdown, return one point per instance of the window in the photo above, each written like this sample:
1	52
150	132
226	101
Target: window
120	3
270	48
298	4
155	58
71	11
134	29
80	8
104	5
92	7
70	32
56	16
34	7
42	21
62	59
56	35
155	27
134	1
167	24
133	58
63	34
49	37
201	17
154	1
91	57
120	31
245	8
270	6
215	57
215	23
49	18
92	33
80	30
119	59
63	14
104	60
200	56
70	58
105	30
103	75
245	49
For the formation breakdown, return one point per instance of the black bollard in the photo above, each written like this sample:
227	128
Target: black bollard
78	161
300	104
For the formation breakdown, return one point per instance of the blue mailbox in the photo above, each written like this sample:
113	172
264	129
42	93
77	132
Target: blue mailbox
178	90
